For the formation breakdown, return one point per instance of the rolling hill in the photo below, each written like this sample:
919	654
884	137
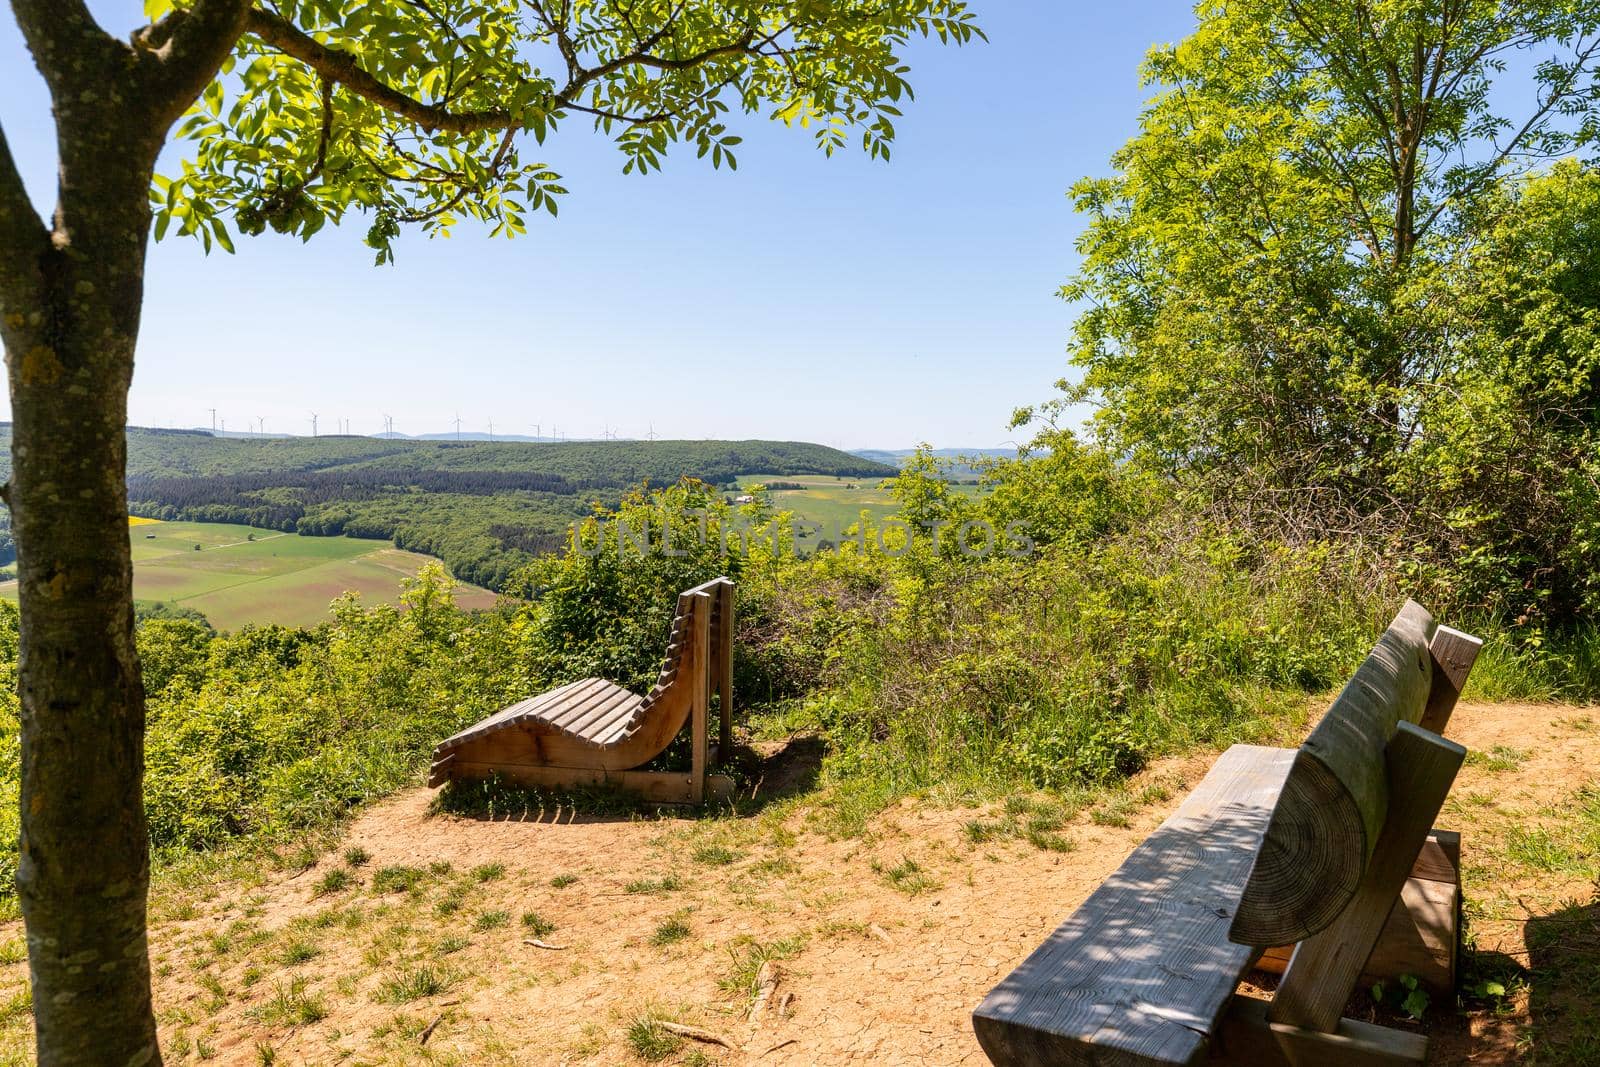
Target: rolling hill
485	508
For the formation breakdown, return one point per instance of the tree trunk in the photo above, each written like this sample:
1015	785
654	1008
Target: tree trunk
84	870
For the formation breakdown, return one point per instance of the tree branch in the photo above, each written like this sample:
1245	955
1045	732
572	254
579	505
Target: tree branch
23	233
341	67
55	29
191	45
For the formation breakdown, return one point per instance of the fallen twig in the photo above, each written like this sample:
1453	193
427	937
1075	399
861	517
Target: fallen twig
783	1004
694	1033
766	984
427	1031
880	933
781	1044
536	943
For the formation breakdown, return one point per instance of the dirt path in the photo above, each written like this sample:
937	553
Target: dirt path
879	960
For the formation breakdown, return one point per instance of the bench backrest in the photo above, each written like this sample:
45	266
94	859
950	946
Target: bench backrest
1336	799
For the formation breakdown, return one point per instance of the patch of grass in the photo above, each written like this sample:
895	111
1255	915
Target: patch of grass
536	924
417	983
16	1006
14	951
488	872
451	943
773	866
216	993
653	886
1035	820
1497	759
491	920
651	1041
1541	850
452	900
747	955
356	856
1116	811
561	881
715	855
979	832
1048	841
1044	822
335	880
908	876
291	1005
672	929
298	951
398	879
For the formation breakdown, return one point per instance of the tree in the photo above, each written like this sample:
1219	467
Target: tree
302	112
1264	275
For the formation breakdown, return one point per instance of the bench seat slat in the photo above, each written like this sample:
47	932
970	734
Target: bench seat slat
1142	971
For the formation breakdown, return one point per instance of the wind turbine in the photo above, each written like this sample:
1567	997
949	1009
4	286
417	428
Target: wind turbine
313	424
213	419
458	426
491	431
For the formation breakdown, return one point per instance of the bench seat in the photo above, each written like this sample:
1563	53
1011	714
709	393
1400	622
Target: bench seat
1142	972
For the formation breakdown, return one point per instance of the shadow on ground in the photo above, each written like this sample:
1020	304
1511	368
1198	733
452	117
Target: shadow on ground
762	775
1537	1005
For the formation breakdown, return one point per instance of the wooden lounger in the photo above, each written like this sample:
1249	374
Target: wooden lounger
595	732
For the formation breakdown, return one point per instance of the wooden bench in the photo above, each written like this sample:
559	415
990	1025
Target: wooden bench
1309	847
593	732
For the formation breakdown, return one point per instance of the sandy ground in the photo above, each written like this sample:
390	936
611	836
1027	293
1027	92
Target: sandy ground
876	972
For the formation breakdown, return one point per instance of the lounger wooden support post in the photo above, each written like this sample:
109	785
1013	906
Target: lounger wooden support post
592	732
1315	847
726	626
700	693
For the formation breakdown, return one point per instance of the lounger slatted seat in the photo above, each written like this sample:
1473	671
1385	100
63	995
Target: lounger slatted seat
595	732
1309	847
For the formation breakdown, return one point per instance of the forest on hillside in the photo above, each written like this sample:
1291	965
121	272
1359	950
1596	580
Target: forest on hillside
486	509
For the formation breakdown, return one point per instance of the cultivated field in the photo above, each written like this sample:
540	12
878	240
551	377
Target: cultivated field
835	502
237	575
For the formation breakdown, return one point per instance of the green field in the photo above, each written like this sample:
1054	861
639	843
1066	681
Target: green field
237	575
835	502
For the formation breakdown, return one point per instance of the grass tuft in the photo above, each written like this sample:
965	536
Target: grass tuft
417	983
651	1041
672	929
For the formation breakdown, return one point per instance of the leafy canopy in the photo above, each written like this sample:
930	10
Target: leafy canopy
1278	283
420	112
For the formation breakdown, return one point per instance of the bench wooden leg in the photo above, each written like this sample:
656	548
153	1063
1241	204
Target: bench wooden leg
1324	968
1245	1036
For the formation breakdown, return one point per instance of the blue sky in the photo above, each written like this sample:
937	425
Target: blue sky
846	301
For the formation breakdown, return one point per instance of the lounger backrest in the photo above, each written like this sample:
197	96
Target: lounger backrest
678	636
